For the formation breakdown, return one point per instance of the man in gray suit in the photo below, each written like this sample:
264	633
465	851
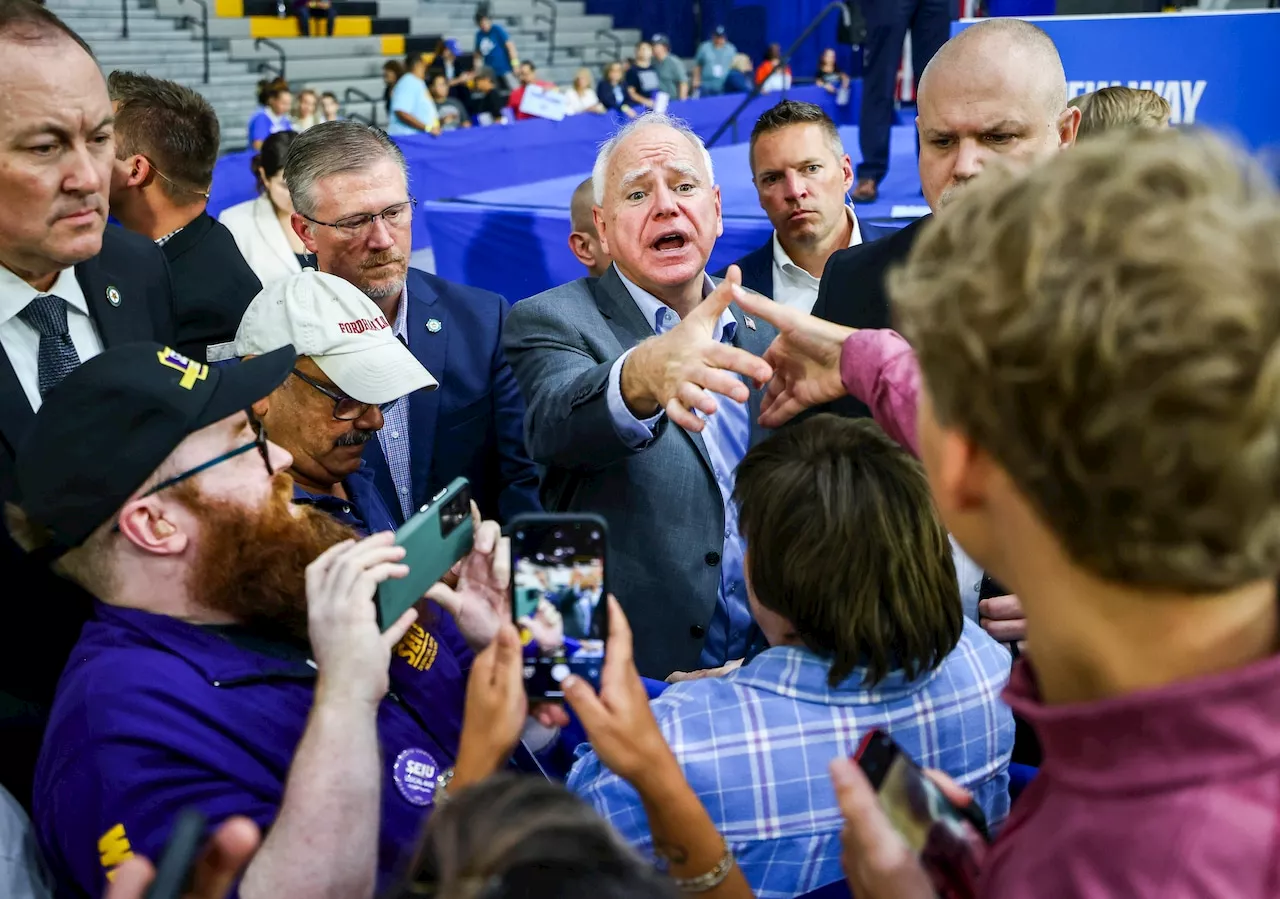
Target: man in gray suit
637	403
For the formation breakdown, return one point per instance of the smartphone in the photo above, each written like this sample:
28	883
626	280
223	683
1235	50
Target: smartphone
559	596
435	538
950	840
173	871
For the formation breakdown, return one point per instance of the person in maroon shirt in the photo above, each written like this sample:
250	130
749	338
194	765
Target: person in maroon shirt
1099	344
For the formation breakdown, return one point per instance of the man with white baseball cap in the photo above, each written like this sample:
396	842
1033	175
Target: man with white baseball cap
350	366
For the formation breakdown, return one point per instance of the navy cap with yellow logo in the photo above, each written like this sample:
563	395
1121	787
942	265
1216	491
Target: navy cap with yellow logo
110	423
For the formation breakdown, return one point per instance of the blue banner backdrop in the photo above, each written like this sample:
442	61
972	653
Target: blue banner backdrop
472	160
1220	69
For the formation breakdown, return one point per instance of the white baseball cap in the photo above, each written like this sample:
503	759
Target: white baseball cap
342	331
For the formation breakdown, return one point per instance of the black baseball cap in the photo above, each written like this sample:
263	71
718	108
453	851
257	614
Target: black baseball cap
661	39
718	32
110	423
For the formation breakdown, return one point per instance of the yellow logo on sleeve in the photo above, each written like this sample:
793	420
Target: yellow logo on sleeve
418	648
192	371
114	850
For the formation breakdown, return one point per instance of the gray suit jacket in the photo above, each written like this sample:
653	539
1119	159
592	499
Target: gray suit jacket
665	514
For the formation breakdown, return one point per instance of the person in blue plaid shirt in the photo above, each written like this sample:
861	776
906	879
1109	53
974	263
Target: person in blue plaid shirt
850	576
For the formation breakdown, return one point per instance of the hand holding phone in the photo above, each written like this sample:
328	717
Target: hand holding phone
558	590
173	871
951	840
440	534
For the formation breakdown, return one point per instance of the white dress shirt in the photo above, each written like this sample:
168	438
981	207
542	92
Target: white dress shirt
792	285
21	342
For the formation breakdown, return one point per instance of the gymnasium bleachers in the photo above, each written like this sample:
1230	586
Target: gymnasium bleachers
164	40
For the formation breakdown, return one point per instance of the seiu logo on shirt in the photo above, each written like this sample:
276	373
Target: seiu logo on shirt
114	850
418	648
1183	96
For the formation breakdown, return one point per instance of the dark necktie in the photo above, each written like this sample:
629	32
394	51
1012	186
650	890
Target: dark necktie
58	356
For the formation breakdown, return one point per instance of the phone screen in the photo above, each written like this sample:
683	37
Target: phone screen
558	602
950	846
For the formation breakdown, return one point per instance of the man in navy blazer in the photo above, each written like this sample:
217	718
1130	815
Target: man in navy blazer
802	176
350	188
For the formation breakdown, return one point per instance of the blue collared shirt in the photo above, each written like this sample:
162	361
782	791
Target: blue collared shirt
363	508
755	745
394	436
726	437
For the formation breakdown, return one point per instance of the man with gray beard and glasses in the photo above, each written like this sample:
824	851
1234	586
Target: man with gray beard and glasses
350	188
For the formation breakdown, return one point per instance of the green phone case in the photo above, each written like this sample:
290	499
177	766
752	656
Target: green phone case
434	539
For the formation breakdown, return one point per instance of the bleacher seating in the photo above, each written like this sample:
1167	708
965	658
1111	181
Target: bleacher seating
164	40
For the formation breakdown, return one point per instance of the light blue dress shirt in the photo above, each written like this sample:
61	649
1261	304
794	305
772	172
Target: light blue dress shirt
726	436
394	436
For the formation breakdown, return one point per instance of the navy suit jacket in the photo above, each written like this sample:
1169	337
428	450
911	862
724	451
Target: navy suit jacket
472	425
757	266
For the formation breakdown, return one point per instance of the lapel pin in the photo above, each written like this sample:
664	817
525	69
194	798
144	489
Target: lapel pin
113	296
749	322
434	326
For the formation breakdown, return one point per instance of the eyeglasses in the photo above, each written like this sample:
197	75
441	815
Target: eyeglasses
181	188
344	407
259	443
354	226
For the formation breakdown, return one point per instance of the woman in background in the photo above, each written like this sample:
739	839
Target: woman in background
582	97
392	69
771	75
273	117
306	110
738	81
830	78
611	93
261	227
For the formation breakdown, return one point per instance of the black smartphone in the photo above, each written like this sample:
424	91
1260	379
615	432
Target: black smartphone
950	840
173	871
440	534
558	598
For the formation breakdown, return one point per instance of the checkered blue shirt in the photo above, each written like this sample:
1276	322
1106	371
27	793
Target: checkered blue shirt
394	436
756	743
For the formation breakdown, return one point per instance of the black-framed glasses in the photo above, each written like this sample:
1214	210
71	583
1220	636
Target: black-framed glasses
358	225
344	407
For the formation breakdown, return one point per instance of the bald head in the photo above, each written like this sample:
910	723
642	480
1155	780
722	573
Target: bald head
995	90
580	207
584	241
995	47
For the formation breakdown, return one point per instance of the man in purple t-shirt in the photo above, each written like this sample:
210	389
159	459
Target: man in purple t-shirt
223	668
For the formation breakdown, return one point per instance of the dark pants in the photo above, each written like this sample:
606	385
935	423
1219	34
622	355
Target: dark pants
304	18
887	24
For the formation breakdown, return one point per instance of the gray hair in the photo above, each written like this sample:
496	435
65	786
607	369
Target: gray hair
650	120
334	148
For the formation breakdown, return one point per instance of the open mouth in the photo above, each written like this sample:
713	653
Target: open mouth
669	243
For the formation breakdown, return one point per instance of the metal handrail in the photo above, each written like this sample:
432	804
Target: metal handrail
361	95
124	16
204	32
732	121
266	41
617	43
356	117
555	12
